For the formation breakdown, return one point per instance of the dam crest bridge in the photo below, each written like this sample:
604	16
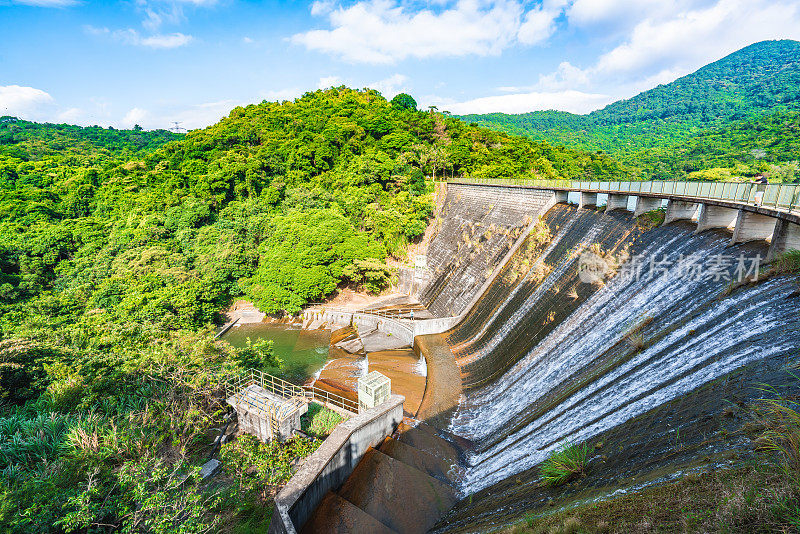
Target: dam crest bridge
754	212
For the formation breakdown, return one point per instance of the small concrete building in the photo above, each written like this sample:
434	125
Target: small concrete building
373	389
266	415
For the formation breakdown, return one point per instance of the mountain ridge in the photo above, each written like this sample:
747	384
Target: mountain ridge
756	80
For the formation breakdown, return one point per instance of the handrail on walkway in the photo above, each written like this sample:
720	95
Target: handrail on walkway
282	388
777	196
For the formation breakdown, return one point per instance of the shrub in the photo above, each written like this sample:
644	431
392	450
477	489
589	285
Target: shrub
565	464
780	419
651	219
257	354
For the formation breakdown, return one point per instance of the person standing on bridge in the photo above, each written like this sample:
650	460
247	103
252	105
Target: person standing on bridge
761	182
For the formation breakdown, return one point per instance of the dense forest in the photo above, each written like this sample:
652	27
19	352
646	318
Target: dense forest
119	248
768	145
761	79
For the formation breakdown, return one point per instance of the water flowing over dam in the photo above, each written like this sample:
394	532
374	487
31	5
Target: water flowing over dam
599	327
577	373
547	359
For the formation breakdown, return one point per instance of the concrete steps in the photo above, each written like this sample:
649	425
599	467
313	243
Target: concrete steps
336	515
401	497
429	464
396	487
425	438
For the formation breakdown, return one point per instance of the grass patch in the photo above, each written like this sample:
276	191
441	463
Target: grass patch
564	464
786	263
319	421
651	219
760	496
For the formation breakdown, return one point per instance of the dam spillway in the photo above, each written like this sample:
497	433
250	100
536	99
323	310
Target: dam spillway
643	358
576	376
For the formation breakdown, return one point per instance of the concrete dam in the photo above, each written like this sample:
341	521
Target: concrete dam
573	324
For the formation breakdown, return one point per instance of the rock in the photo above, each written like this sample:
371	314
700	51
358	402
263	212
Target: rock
209	468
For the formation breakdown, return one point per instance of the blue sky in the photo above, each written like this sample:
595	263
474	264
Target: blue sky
152	62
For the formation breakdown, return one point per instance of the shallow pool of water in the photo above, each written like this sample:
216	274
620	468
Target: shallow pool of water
304	352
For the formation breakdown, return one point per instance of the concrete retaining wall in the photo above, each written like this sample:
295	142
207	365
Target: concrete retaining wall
678	210
363	321
786	236
435	326
330	465
752	227
617	202
645	204
715	217
479	224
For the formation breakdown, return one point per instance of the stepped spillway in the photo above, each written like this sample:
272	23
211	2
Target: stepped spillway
644	360
546	358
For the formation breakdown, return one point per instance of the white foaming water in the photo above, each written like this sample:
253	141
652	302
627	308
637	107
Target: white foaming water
421	367
709	338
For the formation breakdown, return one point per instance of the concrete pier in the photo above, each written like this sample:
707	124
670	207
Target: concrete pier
645	204
678	210
588	199
617	202
786	236
715	217
752	227
561	197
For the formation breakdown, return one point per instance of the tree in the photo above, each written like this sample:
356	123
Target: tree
404	101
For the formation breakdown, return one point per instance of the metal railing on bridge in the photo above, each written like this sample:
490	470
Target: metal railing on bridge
282	388
401	322
784	197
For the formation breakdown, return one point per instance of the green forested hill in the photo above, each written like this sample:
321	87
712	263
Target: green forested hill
760	79
768	144
31	140
118	248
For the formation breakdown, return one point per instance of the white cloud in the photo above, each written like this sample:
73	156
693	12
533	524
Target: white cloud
247	40
135	116
155	17
133	37
389	87
567	76
666	44
540	22
23	102
327	82
572	101
593	12
172	40
71	115
386	31
690	39
322	7
281	94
